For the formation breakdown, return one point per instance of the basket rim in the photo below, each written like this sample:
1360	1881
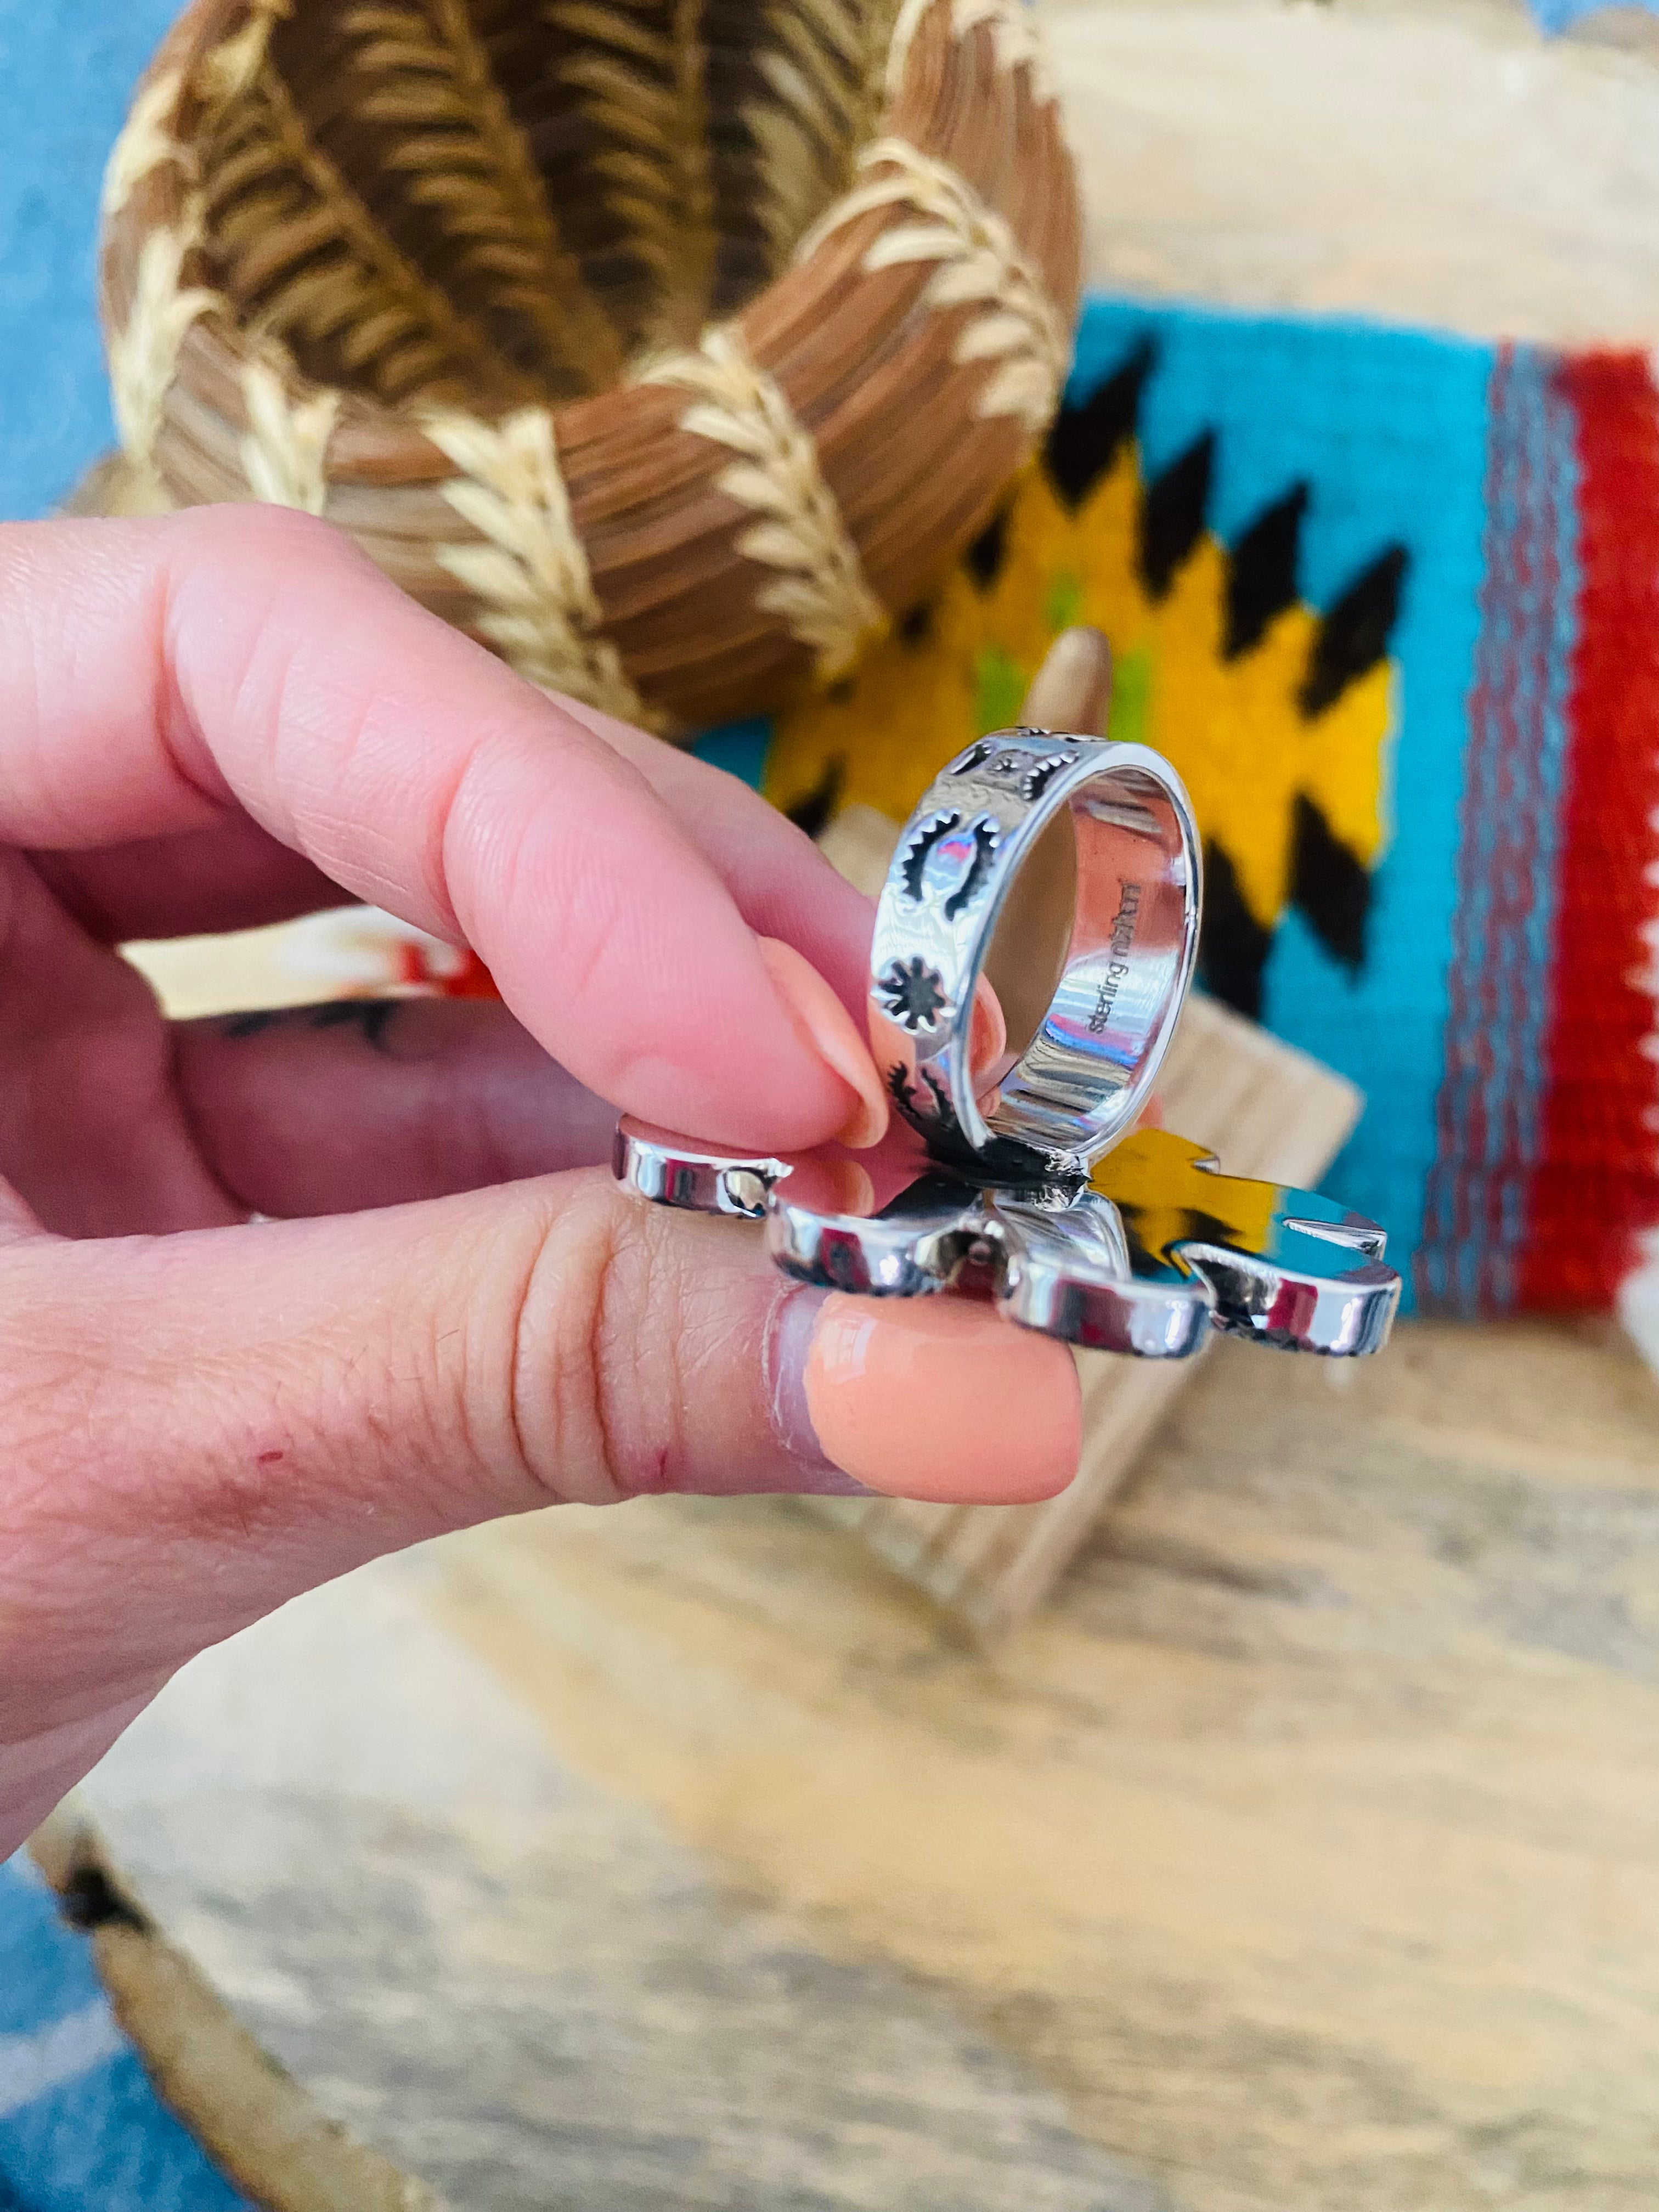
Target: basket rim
389	435
737	513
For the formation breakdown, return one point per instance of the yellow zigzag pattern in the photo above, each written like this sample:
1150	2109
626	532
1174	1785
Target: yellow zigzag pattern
1233	728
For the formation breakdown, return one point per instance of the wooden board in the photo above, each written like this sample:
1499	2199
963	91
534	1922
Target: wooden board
1303	1856
1434	162
1265	1109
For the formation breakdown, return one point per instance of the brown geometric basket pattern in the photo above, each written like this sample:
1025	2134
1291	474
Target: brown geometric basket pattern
667	346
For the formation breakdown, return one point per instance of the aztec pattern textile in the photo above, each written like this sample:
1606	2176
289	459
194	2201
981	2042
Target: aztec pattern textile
80	2128
1390	603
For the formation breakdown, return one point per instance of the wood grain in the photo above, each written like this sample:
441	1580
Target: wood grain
510	1978
1302	1856
1308	1844
1443	165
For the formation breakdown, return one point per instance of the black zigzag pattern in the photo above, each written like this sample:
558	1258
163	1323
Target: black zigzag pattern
984	558
1174	510
1330	885
816	811
1233	947
1353	636
1085	441
1263	575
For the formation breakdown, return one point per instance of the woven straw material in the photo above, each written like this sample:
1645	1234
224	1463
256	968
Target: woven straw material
668	346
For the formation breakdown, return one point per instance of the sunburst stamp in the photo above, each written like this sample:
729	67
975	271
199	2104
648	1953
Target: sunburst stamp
993	760
912	993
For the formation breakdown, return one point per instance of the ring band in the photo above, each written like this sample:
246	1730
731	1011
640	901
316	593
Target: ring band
1068	868
1103	914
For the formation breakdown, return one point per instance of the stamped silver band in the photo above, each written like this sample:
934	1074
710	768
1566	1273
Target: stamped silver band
1069	869
671	1170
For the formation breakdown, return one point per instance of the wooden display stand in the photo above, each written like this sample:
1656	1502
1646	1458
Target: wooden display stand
1265	1109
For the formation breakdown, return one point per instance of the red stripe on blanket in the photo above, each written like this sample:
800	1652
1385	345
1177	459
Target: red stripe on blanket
1596	1183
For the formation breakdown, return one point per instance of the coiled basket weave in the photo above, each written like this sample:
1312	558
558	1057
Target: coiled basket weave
668	346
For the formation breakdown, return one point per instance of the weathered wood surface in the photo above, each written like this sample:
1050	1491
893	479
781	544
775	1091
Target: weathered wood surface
1267	1111
1303	1856
1424	161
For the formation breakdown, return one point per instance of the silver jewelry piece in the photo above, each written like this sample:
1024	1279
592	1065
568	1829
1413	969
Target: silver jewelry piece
1147	1255
1070	868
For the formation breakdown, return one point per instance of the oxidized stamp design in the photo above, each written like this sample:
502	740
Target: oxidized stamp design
948	861
914	993
996	762
925	1105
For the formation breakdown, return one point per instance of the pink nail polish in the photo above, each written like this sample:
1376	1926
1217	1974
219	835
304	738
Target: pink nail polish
937	1398
828	1029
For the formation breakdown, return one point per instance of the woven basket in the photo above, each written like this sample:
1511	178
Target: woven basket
668	346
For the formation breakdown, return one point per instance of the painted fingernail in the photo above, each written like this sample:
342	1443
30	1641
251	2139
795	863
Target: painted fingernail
827	1028
788	1350
935	1398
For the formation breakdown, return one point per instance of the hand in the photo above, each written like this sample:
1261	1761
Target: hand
229	717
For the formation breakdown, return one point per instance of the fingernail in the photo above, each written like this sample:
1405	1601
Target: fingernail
828	1029
931	1398
788	1350
1072	689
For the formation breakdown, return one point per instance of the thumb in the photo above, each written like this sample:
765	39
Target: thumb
194	1429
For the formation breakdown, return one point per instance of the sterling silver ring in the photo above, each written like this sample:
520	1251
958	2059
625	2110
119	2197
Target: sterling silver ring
1066	871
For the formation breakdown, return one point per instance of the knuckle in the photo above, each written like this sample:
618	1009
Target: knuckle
257	532
595	1384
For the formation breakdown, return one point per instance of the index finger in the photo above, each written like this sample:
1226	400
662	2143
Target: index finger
156	675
